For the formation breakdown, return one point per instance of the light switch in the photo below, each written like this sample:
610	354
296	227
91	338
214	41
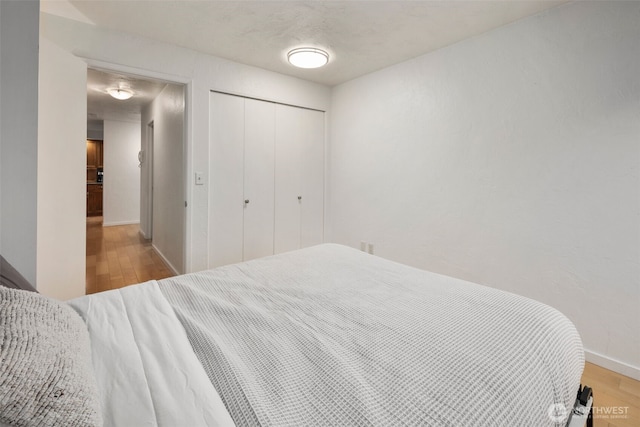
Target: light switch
199	178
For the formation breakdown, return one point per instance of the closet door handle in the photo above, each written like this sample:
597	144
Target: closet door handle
299	197
246	201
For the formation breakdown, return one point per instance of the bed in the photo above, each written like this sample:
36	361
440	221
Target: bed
325	336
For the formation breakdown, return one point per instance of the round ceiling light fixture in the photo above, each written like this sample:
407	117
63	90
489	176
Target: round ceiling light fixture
120	93
308	57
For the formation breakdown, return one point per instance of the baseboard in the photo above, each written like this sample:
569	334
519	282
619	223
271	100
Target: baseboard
164	258
612	364
144	236
112	224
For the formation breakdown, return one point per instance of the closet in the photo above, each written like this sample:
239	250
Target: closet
266	192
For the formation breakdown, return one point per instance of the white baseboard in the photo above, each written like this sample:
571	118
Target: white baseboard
112	224
164	258
612	364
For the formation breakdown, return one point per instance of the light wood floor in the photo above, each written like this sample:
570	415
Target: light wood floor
118	256
616	397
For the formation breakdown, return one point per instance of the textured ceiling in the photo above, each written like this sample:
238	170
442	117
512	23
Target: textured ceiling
361	36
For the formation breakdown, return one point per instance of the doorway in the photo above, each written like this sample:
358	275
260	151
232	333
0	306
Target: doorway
135	192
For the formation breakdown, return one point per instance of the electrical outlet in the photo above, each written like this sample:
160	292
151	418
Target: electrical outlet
370	248
363	246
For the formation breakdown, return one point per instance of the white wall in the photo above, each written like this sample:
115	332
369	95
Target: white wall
167	114
511	160
62	153
202	73
18	134
121	187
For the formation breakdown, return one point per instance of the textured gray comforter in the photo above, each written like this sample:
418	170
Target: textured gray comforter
332	336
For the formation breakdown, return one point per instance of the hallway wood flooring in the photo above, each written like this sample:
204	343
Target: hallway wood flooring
118	256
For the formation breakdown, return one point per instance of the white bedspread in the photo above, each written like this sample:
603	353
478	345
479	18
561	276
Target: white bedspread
407	347
146	372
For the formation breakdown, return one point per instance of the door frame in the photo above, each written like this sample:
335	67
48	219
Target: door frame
149	159
187	147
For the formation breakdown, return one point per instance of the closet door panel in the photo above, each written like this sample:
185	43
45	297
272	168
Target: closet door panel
259	178
226	152
287	179
312	178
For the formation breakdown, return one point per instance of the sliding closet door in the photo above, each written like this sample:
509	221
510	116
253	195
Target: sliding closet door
226	154
288	189
258	178
312	178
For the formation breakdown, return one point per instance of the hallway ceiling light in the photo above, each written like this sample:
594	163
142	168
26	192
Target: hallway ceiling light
120	93
308	57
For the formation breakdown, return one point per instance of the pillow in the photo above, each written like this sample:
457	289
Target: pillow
11	278
46	377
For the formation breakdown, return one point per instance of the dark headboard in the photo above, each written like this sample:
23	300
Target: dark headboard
11	278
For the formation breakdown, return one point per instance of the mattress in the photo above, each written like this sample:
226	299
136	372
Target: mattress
328	336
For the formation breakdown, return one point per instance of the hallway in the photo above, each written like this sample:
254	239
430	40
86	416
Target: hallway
118	256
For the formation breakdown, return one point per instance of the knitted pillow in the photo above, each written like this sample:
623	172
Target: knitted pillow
46	377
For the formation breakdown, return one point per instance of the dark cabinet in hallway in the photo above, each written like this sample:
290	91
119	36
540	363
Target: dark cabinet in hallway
94	199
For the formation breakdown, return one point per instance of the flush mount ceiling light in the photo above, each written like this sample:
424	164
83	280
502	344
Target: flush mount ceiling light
120	93
308	57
